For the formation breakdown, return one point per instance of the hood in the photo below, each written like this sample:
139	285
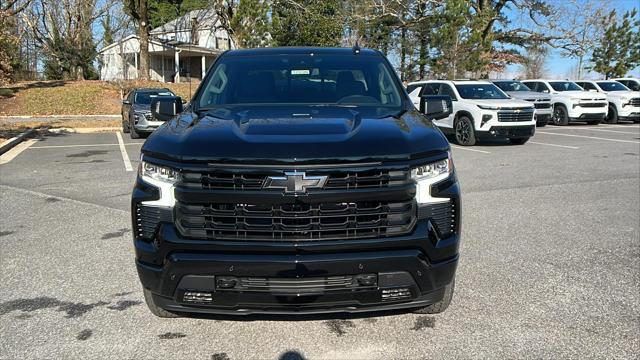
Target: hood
624	94
528	95
579	94
287	135
141	107
504	103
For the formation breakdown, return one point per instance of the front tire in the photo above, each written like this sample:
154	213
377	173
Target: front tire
441	305
519	141
125	126
560	115
612	115
155	309
465	132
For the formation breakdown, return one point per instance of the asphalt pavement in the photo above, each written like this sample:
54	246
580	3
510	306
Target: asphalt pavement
550	262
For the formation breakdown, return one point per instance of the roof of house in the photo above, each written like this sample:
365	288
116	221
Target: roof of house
127	39
206	18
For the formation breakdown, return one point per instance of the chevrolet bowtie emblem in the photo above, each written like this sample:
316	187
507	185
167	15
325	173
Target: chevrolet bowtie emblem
294	182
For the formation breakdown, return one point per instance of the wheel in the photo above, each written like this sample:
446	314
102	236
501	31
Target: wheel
612	115
155	309
465	133
134	134
125	126
560	116
518	141
441	305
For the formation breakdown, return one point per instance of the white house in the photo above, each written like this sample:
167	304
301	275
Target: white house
179	49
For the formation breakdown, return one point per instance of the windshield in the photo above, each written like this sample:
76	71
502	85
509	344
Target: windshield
612	86
144	97
565	86
480	91
633	85
296	79
511	86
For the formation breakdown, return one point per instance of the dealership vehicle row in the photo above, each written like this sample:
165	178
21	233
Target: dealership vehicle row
511	109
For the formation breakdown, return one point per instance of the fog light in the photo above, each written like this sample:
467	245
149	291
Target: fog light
197	297
396	294
485	119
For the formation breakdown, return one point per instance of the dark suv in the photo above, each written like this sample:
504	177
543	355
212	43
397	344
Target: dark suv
136	115
297	180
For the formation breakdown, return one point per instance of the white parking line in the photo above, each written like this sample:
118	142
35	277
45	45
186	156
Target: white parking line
556	145
468	149
589	137
123	151
81	145
16	150
606	130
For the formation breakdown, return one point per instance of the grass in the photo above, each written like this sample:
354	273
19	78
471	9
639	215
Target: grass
10	129
73	97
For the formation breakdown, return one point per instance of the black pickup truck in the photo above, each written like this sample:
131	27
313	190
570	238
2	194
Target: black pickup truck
297	180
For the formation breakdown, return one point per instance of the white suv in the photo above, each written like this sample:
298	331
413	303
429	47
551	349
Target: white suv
624	104
480	111
631	83
570	102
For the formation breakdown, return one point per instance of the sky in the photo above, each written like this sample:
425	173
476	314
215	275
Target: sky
561	67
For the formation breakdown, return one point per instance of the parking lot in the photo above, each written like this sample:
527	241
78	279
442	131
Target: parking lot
550	261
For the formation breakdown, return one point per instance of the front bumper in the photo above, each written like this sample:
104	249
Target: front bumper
407	269
419	265
629	112
506	132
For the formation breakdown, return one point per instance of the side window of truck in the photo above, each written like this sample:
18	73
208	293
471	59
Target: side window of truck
445	89
414	90
430	89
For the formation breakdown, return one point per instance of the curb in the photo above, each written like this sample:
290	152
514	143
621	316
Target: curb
110	116
84	130
9	144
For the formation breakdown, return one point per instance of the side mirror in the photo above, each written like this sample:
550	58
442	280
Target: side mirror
436	107
126	102
165	108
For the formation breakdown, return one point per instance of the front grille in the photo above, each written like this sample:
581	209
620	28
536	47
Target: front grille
635	102
298	285
441	215
592	105
296	221
542	105
148	218
336	180
515	116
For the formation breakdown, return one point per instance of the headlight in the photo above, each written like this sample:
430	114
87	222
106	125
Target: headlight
427	175
486	107
157	172
161	177
432	170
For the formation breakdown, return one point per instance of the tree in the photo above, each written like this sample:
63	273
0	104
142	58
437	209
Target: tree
618	49
139	11
307	22
534	62
64	32
250	26
163	11
9	39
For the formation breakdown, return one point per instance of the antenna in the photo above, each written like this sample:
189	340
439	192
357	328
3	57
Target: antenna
356	48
